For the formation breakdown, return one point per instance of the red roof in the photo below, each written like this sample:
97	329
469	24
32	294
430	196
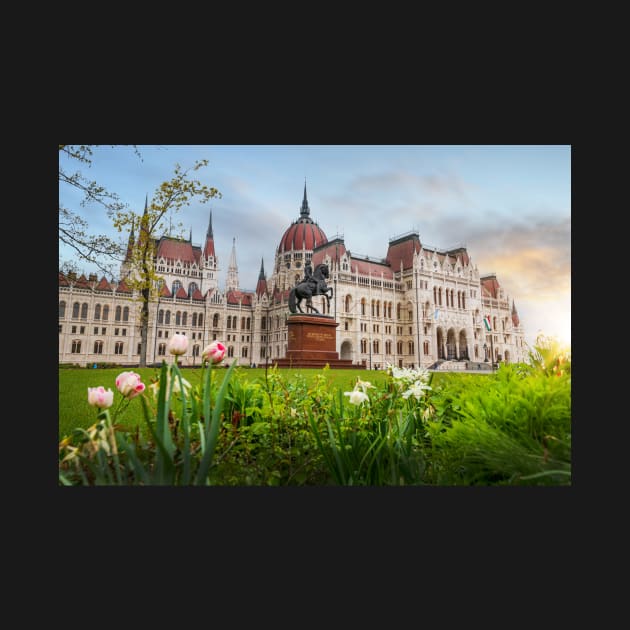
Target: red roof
403	250
181	293
335	250
174	249
103	285
196	295
302	234
63	281
208	250
369	268
83	283
164	291
490	287
239	297
123	288
261	286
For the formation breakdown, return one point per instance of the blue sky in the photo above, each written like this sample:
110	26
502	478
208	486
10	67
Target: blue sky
509	205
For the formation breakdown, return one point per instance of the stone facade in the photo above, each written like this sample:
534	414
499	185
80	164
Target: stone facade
415	307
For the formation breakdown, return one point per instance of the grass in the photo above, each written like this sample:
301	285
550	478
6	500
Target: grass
74	410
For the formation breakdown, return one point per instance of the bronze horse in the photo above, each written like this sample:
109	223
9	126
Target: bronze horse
312	284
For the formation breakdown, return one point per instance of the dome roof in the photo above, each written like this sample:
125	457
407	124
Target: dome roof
303	233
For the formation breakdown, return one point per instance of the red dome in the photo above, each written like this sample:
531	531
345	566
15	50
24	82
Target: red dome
303	234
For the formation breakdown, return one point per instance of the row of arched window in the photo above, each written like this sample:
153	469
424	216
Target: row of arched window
365	344
101	312
180	318
449	297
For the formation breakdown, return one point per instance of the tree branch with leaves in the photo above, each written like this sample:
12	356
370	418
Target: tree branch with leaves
170	197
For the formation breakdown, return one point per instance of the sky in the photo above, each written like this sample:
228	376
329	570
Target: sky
509	205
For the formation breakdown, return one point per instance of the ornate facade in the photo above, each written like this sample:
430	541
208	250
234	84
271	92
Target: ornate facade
416	307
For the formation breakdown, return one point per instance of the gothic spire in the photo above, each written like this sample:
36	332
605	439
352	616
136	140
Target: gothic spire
145	216
261	285
209	232
130	242
304	210
232	272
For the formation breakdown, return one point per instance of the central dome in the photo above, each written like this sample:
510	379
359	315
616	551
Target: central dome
303	233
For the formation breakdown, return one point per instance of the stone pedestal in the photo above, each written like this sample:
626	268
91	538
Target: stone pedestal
311	342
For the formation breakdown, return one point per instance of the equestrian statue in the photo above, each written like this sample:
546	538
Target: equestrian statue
313	283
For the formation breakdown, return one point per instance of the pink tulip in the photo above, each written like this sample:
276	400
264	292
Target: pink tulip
99	397
214	352
178	344
129	384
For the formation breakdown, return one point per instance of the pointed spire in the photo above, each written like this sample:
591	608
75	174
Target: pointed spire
145	216
209	232
190	237
304	210
232	272
130	242
261	285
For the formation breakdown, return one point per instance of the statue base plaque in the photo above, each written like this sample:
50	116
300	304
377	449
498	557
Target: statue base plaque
311	343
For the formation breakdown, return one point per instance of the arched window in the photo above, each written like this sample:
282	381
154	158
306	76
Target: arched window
375	346
161	316
76	346
105	312
389	310
98	347
229	322
97	311
215	320
168	318
161	349
363	305
176	286
248	323
242	323
84	310
348	303
263	323
399	347
426	347
62	309
230	351
75	310
192	287
126	314
363	346
184	318
118	313
410	347
200	320
194	321
178	318
398	311
372	304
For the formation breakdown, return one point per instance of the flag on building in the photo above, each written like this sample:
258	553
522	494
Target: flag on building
486	321
436	314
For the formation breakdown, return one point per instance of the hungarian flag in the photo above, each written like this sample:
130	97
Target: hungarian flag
486	321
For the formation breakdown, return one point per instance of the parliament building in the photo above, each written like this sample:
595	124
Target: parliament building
419	306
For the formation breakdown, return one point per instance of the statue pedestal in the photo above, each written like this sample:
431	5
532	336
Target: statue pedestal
311	342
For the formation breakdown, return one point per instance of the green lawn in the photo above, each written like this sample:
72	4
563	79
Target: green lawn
74	410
